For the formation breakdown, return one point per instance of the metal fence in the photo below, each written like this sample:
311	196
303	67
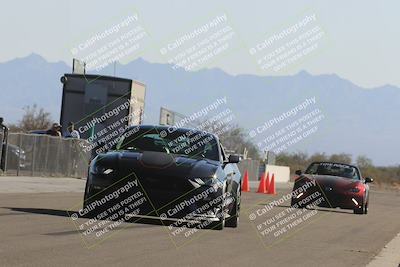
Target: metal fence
43	155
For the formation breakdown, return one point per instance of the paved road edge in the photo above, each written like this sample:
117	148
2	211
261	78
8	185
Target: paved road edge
389	255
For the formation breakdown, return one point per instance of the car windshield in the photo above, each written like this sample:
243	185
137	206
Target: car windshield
191	143
333	169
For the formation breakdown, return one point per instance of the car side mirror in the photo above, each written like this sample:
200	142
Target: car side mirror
234	159
369	180
298	172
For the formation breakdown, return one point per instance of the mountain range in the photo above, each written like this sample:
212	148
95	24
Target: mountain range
356	120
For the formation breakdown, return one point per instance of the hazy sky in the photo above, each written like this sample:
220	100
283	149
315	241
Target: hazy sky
362	44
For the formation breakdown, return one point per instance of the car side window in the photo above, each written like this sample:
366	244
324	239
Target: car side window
312	169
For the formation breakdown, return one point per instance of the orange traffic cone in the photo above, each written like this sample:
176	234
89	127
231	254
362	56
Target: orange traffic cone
267	183
271	189
245	184
261	186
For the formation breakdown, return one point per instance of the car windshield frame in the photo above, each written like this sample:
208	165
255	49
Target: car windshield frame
327	171
196	144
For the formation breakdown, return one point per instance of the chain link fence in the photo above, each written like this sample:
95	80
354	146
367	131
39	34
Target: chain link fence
43	155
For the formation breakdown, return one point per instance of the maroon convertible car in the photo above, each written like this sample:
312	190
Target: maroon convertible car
336	185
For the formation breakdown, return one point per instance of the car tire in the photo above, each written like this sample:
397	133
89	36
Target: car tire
233	220
91	214
218	225
86	203
366	208
295	204
359	210
89	199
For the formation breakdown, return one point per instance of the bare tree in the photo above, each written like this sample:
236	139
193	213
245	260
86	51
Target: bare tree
341	158
34	118
233	137
363	162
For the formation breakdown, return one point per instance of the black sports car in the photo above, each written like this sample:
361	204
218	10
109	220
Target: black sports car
332	185
168	174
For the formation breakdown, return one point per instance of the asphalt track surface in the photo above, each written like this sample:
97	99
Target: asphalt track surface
36	231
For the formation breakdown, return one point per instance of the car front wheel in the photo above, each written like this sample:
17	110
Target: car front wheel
360	210
219	225
233	220
366	208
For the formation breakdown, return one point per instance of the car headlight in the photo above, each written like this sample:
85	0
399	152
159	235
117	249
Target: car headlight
200	181
99	169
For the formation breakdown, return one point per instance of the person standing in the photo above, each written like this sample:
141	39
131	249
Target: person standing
71	132
55	130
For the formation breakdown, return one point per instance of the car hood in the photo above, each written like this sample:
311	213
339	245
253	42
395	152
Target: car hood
157	163
333	181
